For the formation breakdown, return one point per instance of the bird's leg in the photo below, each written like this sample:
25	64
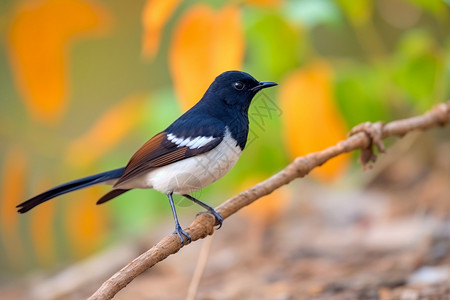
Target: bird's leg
211	210
178	230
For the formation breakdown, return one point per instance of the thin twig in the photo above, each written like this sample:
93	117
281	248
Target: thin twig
201	264
364	137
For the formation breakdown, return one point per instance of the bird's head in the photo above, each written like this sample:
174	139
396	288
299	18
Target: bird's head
236	89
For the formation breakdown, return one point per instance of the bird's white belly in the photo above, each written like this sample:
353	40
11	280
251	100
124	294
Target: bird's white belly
194	173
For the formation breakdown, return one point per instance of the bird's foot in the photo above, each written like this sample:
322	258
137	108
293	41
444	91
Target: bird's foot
180	232
217	216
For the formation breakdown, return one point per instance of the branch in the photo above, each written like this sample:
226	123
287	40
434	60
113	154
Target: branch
363	137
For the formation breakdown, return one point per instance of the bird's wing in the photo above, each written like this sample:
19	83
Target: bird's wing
164	149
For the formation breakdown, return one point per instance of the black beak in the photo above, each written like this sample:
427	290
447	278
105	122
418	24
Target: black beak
263	85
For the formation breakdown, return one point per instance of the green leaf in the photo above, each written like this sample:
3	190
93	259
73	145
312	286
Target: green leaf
417	78
360	94
417	66
274	45
435	7
358	11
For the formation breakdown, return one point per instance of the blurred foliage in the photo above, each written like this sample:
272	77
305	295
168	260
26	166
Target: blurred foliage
84	83
307	100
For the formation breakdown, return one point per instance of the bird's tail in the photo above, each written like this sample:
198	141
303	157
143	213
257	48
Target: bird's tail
69	187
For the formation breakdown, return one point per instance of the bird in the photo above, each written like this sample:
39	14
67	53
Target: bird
197	149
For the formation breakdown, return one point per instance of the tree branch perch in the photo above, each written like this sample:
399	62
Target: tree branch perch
363	137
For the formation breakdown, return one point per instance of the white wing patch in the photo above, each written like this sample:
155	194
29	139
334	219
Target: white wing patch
195	143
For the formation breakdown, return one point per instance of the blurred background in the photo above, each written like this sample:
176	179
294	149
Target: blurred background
84	83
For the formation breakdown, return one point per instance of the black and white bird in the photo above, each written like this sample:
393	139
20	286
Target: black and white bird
196	150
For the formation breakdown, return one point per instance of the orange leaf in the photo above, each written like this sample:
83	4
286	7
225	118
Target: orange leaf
268	208
205	44
85	223
155	15
41	228
39	36
107	132
264	2
311	120
262	214
12	193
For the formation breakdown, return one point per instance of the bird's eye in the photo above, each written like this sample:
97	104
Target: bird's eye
238	85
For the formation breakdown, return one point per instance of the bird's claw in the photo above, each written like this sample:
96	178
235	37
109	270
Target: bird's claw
217	216
180	232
